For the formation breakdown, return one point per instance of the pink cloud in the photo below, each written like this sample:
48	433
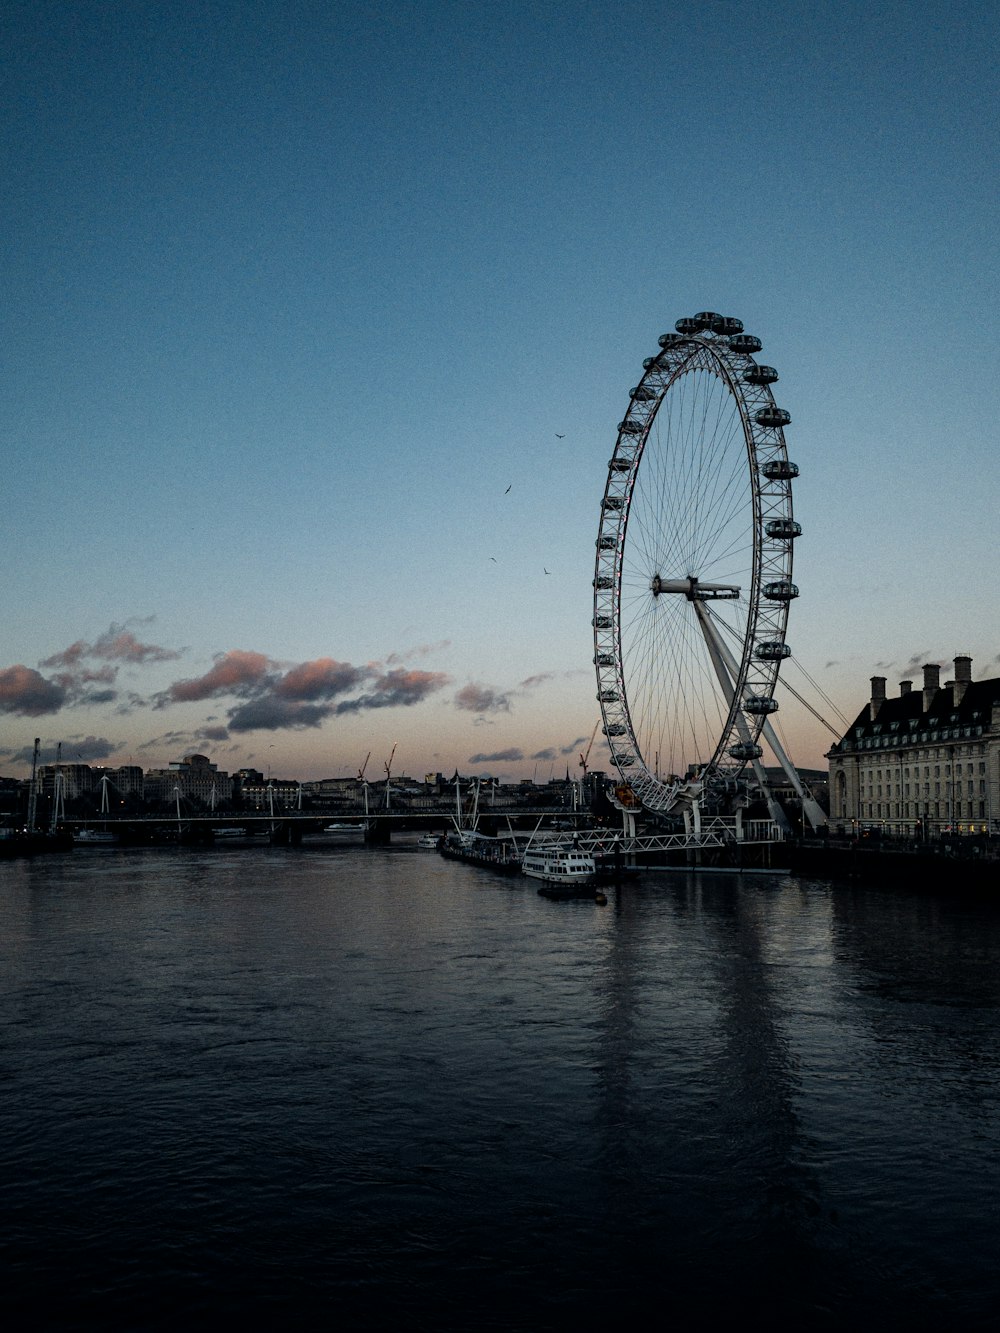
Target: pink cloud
25	691
320	679
235	672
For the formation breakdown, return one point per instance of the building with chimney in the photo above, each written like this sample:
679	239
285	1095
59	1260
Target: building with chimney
924	762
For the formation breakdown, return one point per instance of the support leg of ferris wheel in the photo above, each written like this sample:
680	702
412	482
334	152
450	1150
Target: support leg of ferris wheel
727	672
810	807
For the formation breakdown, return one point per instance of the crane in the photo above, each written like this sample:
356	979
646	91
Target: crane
586	754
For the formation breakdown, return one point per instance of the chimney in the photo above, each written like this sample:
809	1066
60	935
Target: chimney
905	686
878	696
963	677
932	683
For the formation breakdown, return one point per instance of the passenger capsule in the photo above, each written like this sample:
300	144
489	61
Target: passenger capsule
604	581
772	650
780	469
705	319
642	393
745	751
619	465
608	697
602	622
687	326
780	591
604	659
614	729
746	343
607	543
623	760
759	705
773	417
670	339
785	528
613	502
760	375
627	427
725	324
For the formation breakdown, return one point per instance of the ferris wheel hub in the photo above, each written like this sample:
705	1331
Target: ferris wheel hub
693	589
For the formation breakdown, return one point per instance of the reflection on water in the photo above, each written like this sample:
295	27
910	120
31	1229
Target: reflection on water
372	1084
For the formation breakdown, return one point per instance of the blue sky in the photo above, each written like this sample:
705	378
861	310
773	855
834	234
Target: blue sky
293	293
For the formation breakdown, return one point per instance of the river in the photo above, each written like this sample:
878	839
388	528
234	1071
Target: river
369	1086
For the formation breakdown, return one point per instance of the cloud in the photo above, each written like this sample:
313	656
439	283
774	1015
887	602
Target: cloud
96	697
575	746
475	698
236	672
77	750
322	679
419	650
214	733
531	682
116	644
498	757
87	748
270	713
547	753
26	692
397	688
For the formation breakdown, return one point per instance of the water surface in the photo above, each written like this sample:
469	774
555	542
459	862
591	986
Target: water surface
375	1086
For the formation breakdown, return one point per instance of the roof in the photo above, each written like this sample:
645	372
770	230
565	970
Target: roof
903	717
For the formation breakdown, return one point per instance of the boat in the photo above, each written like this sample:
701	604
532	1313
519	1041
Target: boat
561	867
479	850
344	828
428	842
94	836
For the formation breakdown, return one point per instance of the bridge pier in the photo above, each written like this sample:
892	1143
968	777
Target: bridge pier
377	833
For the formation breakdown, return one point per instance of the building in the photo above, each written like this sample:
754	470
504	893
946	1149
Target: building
274	794
923	763
194	777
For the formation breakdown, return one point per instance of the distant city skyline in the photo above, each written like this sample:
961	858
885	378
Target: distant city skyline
320	322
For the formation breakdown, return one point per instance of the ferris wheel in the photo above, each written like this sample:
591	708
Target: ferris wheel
693	574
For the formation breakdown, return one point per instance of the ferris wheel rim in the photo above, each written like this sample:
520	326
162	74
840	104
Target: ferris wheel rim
717	347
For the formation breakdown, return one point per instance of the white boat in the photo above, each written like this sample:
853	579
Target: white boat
560	865
344	828
428	842
94	835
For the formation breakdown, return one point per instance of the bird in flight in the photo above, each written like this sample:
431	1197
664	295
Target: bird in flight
546	571
560	437
507	491
493	558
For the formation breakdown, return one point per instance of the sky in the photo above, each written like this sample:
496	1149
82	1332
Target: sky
318	321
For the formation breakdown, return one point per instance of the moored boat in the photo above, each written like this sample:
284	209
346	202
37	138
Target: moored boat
560	866
478	850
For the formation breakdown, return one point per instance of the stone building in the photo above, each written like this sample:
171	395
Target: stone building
924	762
194	777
